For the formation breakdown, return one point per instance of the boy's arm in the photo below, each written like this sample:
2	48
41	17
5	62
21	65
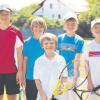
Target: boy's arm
37	80
40	89
77	59
90	85
24	71
20	60
18	46
76	67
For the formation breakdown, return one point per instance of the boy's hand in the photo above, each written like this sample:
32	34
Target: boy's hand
90	86
19	78
74	80
24	81
43	97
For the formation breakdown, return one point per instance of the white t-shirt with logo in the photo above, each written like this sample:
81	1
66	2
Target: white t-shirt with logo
92	54
48	71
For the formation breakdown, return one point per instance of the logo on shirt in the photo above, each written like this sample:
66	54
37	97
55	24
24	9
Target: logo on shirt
94	54
67	47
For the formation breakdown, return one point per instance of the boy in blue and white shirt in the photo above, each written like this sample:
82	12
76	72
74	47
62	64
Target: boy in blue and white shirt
70	46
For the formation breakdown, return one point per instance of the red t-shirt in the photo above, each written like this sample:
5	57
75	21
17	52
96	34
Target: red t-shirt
7	47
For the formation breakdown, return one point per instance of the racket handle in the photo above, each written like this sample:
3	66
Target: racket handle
54	98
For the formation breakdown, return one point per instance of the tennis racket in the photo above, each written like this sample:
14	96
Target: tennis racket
95	91
80	92
22	94
68	85
62	85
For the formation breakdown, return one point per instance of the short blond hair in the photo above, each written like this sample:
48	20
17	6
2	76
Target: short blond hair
48	36
39	21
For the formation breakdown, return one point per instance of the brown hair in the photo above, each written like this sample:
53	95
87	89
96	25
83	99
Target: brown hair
39	21
48	36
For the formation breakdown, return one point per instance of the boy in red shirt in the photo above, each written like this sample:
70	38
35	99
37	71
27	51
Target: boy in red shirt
11	42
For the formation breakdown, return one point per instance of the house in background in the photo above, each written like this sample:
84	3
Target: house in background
56	9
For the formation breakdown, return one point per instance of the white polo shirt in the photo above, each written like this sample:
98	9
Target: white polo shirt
48	71
92	54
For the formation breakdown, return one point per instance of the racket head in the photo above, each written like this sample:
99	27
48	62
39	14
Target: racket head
63	85
69	84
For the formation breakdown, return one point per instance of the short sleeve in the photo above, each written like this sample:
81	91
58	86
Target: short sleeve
36	70
18	42
19	34
25	49
64	66
58	43
85	53
80	46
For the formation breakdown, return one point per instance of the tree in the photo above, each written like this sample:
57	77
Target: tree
93	12
24	15
87	17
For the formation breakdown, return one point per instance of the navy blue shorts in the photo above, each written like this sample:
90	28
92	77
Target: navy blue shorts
31	90
9	82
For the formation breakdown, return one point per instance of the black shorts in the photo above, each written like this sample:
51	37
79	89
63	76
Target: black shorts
31	90
9	82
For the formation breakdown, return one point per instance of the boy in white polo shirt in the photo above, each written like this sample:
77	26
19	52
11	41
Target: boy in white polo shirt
92	59
48	68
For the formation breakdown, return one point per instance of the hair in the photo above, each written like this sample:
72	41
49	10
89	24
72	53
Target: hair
48	36
39	21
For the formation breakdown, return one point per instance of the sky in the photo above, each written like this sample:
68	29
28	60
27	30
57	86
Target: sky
18	4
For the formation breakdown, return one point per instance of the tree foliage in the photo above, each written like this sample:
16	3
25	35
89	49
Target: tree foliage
87	17
93	12
24	15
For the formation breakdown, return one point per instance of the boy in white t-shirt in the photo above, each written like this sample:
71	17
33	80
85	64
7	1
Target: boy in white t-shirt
48	68
92	59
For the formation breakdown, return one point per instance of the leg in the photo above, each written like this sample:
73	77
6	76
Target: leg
2	80
11	97
1	97
31	90
12	88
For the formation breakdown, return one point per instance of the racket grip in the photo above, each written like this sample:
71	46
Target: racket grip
54	98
